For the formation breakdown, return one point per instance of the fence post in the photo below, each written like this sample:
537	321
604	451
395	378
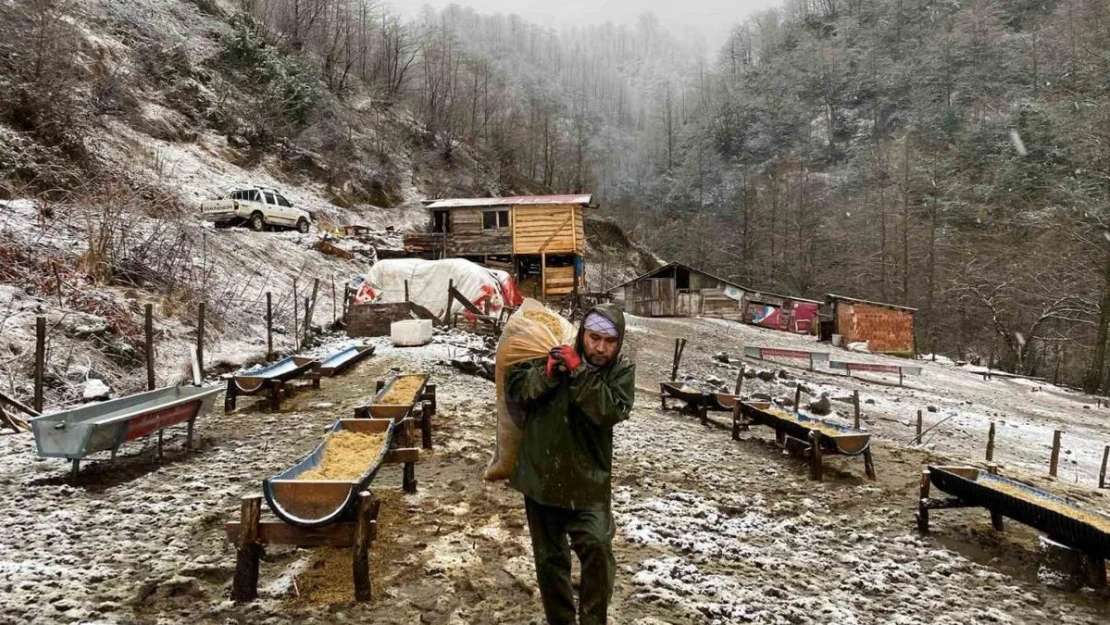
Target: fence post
1102	472
269	325
296	314
798	398
918	437
200	340
148	328
990	443
855	406
1054	461
40	360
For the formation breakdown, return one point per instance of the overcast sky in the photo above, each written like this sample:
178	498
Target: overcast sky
710	18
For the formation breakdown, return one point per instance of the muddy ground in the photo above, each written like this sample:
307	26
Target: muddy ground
710	530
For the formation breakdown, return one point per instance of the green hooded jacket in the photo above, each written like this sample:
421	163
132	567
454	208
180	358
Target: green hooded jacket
566	455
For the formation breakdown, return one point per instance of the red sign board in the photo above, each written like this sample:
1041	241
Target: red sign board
783	353
154	421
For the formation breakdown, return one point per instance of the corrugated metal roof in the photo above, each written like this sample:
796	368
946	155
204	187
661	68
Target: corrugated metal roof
520	200
832	298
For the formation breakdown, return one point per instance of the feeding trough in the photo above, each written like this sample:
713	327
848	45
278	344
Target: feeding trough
700	401
396	398
1063	520
271	380
77	433
319	501
344	359
812	436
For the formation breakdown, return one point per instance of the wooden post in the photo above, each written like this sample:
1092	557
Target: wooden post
426	413
798	398
276	387
408	478
1054	461
365	528
333	318
869	464
450	300
855	406
703	409
922	504
310	307
148	329
40	360
244	586
200	339
815	469
736	420
406	290
1102	472
917	439
269	325
739	382
990	443
296	314
900	375
679	347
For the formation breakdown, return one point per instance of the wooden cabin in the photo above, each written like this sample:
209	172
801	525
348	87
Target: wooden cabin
678	290
887	328
541	240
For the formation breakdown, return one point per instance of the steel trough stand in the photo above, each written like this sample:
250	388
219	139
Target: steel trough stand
76	433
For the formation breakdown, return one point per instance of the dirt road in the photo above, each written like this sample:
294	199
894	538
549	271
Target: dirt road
710	530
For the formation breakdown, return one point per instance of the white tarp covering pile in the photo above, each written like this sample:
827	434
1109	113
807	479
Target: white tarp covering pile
428	281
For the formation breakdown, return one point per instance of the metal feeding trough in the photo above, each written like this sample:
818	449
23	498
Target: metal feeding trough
379	409
270	379
813	436
316	503
105	426
1063	520
345	359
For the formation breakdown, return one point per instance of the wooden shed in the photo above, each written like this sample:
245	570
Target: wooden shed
541	240
887	328
677	290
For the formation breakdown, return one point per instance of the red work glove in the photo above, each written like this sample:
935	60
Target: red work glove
568	357
553	363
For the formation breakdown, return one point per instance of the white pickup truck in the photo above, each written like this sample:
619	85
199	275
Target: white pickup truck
258	207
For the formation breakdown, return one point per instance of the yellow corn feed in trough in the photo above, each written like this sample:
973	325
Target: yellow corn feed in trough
347	455
820	426
550	321
1100	521
403	391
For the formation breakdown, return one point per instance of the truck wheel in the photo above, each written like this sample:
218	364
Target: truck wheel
257	223
302	225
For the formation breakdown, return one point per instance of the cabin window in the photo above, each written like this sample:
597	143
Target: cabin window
494	220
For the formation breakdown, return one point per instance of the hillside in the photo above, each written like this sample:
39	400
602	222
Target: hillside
164	104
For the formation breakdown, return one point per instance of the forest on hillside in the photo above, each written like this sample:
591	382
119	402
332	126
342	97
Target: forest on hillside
950	156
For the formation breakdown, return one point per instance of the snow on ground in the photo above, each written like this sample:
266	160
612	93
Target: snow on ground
1026	412
709	530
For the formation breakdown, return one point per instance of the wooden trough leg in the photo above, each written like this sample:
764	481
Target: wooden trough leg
922	504
244	586
230	395
1095	569
426	424
736	420
430	395
276	386
703	410
869	465
316	375
815	468
74	468
160	433
365	533
996	520
408	478
189	434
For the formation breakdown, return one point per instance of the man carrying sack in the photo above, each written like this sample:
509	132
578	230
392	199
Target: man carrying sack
571	400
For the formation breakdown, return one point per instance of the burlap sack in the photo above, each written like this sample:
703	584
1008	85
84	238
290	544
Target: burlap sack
524	337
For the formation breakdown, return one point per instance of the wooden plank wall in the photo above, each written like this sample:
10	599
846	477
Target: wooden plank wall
552	226
716	304
468	238
560	281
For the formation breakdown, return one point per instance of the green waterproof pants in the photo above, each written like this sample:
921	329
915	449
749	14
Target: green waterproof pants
590	535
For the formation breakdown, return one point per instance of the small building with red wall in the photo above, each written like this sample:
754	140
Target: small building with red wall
887	328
